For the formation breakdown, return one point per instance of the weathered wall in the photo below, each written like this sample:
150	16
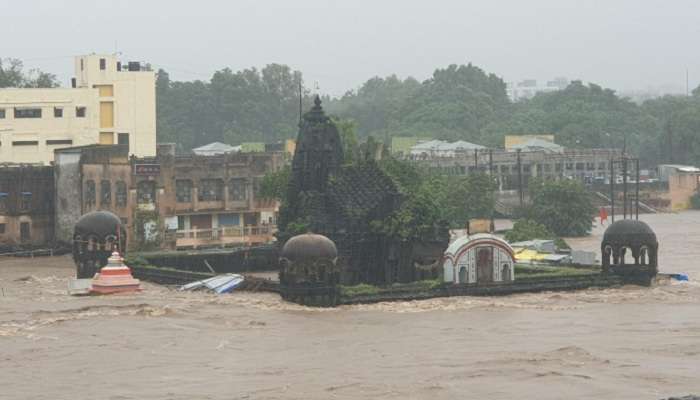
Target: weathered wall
26	205
67	180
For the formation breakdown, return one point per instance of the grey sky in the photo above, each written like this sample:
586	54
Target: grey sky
623	44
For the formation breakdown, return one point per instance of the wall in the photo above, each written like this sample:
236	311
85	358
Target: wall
115	102
78	130
26	197
681	186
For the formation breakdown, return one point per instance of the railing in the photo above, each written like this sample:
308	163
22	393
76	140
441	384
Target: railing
226	232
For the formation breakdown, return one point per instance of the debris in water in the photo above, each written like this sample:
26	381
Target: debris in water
219	284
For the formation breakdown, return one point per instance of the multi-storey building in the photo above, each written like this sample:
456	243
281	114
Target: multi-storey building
172	201
26	205
512	167
107	103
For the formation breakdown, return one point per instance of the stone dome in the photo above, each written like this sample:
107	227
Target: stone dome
98	223
629	230
309	246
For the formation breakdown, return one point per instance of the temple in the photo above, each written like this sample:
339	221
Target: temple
345	202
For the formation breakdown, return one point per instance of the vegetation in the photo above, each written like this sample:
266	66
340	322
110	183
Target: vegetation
12	75
535	272
457	102
364	289
563	207
527	229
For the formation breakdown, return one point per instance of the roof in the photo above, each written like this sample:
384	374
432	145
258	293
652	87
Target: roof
441	145
537	144
629	231
680	168
215	148
472	240
309	246
360	189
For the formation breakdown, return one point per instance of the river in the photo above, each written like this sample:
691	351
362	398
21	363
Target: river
626	343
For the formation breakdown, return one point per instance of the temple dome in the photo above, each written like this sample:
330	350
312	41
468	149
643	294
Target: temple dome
309	246
629	230
98	223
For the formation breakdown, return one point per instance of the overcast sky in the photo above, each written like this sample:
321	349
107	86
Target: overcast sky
622	44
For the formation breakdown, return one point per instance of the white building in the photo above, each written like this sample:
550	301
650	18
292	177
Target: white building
108	103
528	88
478	258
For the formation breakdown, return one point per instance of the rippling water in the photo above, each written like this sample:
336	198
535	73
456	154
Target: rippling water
626	343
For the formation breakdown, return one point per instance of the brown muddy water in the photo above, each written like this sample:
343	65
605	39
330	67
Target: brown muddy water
628	343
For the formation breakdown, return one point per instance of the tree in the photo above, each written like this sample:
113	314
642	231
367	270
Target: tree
274	185
12	75
564	207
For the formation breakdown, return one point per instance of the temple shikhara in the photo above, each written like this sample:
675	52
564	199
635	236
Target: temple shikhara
345	202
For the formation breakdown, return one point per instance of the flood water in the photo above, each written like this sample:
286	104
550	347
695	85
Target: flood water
627	343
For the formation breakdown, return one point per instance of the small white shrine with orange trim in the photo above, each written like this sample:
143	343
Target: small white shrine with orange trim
478	258
115	277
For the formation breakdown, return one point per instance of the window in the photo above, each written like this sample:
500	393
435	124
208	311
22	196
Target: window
2	113
557	167
58	112
103	64
105	194
237	190
183	190
146	192
24	232
25	201
3	201
602	165
120	195
2	229
82	66
123	139
579	166
90	192
80	112
211	190
59	141
27	112
25	143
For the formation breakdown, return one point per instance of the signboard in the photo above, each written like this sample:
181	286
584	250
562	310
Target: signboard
147	169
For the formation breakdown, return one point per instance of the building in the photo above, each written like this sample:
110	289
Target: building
528	88
107	103
169	201
683	182
441	148
513	142
510	167
26	206
478	258
344	202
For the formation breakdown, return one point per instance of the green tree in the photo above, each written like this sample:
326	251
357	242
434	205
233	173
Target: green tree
274	185
564	207
12	75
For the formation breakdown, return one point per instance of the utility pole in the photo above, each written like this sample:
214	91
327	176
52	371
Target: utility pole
624	187
476	161
612	188
300	102
520	179
636	196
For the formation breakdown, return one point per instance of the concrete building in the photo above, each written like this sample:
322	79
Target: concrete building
169	201
528	88
108	103
26	206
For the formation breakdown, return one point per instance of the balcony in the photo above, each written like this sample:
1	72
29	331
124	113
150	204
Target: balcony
224	236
